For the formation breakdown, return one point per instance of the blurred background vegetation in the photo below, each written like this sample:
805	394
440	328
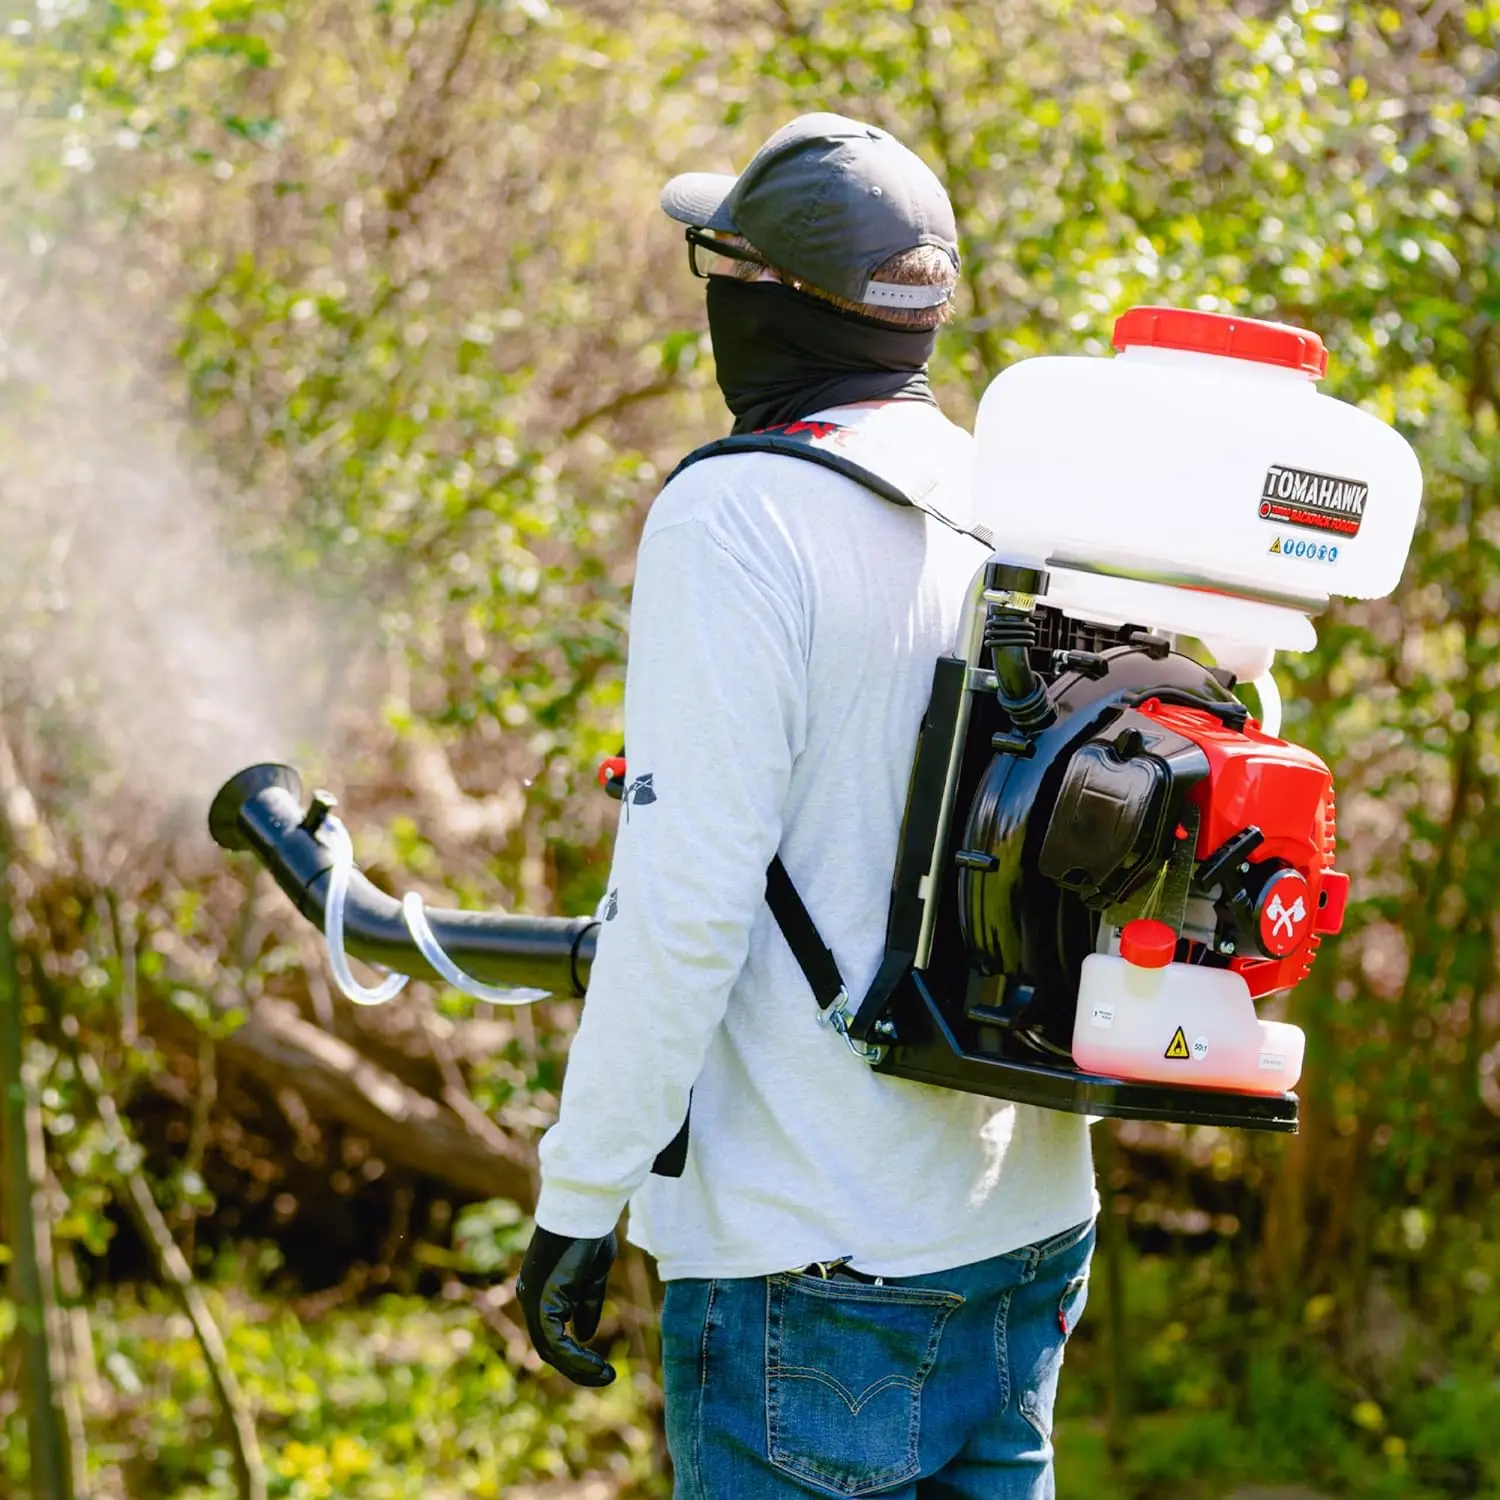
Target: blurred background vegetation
342	349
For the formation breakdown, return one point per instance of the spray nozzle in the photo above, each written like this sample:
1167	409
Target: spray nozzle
224	824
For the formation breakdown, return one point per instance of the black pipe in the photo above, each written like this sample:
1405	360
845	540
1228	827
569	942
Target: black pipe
260	809
1010	633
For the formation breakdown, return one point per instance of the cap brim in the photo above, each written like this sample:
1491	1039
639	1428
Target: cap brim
697	198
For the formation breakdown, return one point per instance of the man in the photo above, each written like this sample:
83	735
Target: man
869	1282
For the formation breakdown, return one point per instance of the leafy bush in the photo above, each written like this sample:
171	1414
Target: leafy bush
399	1400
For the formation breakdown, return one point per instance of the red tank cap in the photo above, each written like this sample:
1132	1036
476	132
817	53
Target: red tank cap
1147	944
1221	333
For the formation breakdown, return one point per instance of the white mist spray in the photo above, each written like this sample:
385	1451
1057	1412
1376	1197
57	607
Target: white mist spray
137	655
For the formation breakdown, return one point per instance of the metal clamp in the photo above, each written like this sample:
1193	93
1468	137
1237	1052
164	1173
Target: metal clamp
827	1270
1012	599
837	1017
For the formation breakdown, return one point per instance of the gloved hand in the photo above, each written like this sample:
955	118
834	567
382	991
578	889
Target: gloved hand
562	1280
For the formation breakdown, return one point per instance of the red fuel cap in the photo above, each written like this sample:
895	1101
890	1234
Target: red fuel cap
1284	913
1147	944
1254	339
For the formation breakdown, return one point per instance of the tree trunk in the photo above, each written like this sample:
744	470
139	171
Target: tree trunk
26	1232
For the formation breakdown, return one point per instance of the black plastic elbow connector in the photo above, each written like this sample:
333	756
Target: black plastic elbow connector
1010	633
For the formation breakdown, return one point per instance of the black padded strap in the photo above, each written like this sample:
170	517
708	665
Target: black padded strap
808	440
805	440
794	447
818	966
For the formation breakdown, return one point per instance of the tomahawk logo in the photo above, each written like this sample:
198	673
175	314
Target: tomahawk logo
640	793
1318	502
1288	917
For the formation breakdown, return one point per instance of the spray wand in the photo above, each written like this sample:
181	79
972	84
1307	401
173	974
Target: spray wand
501	958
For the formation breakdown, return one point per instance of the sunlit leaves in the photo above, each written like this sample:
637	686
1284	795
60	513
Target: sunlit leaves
403	267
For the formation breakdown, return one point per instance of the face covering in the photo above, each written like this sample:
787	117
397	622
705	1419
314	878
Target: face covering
780	354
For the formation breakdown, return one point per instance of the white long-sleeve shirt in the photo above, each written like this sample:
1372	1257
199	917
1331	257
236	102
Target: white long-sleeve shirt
784	627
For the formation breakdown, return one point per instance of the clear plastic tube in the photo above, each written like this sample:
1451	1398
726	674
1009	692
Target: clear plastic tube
421	934
428	946
1270	704
333	924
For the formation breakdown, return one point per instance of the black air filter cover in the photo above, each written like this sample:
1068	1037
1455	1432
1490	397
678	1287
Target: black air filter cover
1122	795
1013	922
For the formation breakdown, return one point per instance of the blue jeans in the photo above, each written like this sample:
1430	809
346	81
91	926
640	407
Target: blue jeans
932	1387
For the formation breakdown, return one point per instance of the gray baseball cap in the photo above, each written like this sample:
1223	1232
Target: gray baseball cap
828	199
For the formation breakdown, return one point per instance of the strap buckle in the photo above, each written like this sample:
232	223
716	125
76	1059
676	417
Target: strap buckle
836	1016
827	1270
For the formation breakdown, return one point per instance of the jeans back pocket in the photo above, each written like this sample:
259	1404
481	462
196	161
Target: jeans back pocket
845	1367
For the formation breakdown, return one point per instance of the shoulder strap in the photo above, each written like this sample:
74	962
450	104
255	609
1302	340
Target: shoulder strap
814	958
901	478
896	478
819	967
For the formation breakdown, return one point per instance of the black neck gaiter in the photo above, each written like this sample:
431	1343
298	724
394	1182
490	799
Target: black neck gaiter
781	355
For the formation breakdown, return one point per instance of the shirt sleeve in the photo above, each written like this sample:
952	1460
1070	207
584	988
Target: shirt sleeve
715	714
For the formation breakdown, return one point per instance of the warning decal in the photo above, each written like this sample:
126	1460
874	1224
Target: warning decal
1178	1047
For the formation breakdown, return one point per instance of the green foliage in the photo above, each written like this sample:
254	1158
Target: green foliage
488	1237
1226	1395
400	1400
400	271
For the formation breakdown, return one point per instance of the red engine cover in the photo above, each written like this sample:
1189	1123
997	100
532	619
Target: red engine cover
1286	791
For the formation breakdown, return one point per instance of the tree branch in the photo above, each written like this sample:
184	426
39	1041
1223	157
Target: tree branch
249	1466
622	401
405	1127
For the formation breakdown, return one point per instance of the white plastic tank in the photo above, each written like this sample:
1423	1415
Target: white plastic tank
1142	1017
1201	461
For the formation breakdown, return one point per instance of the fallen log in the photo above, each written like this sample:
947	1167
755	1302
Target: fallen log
281	1050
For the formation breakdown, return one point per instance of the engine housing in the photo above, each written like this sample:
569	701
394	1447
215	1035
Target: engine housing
1148	794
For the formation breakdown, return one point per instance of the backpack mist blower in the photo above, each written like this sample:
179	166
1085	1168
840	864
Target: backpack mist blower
1106	860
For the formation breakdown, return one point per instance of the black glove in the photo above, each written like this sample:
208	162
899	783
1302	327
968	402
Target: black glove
562	1280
